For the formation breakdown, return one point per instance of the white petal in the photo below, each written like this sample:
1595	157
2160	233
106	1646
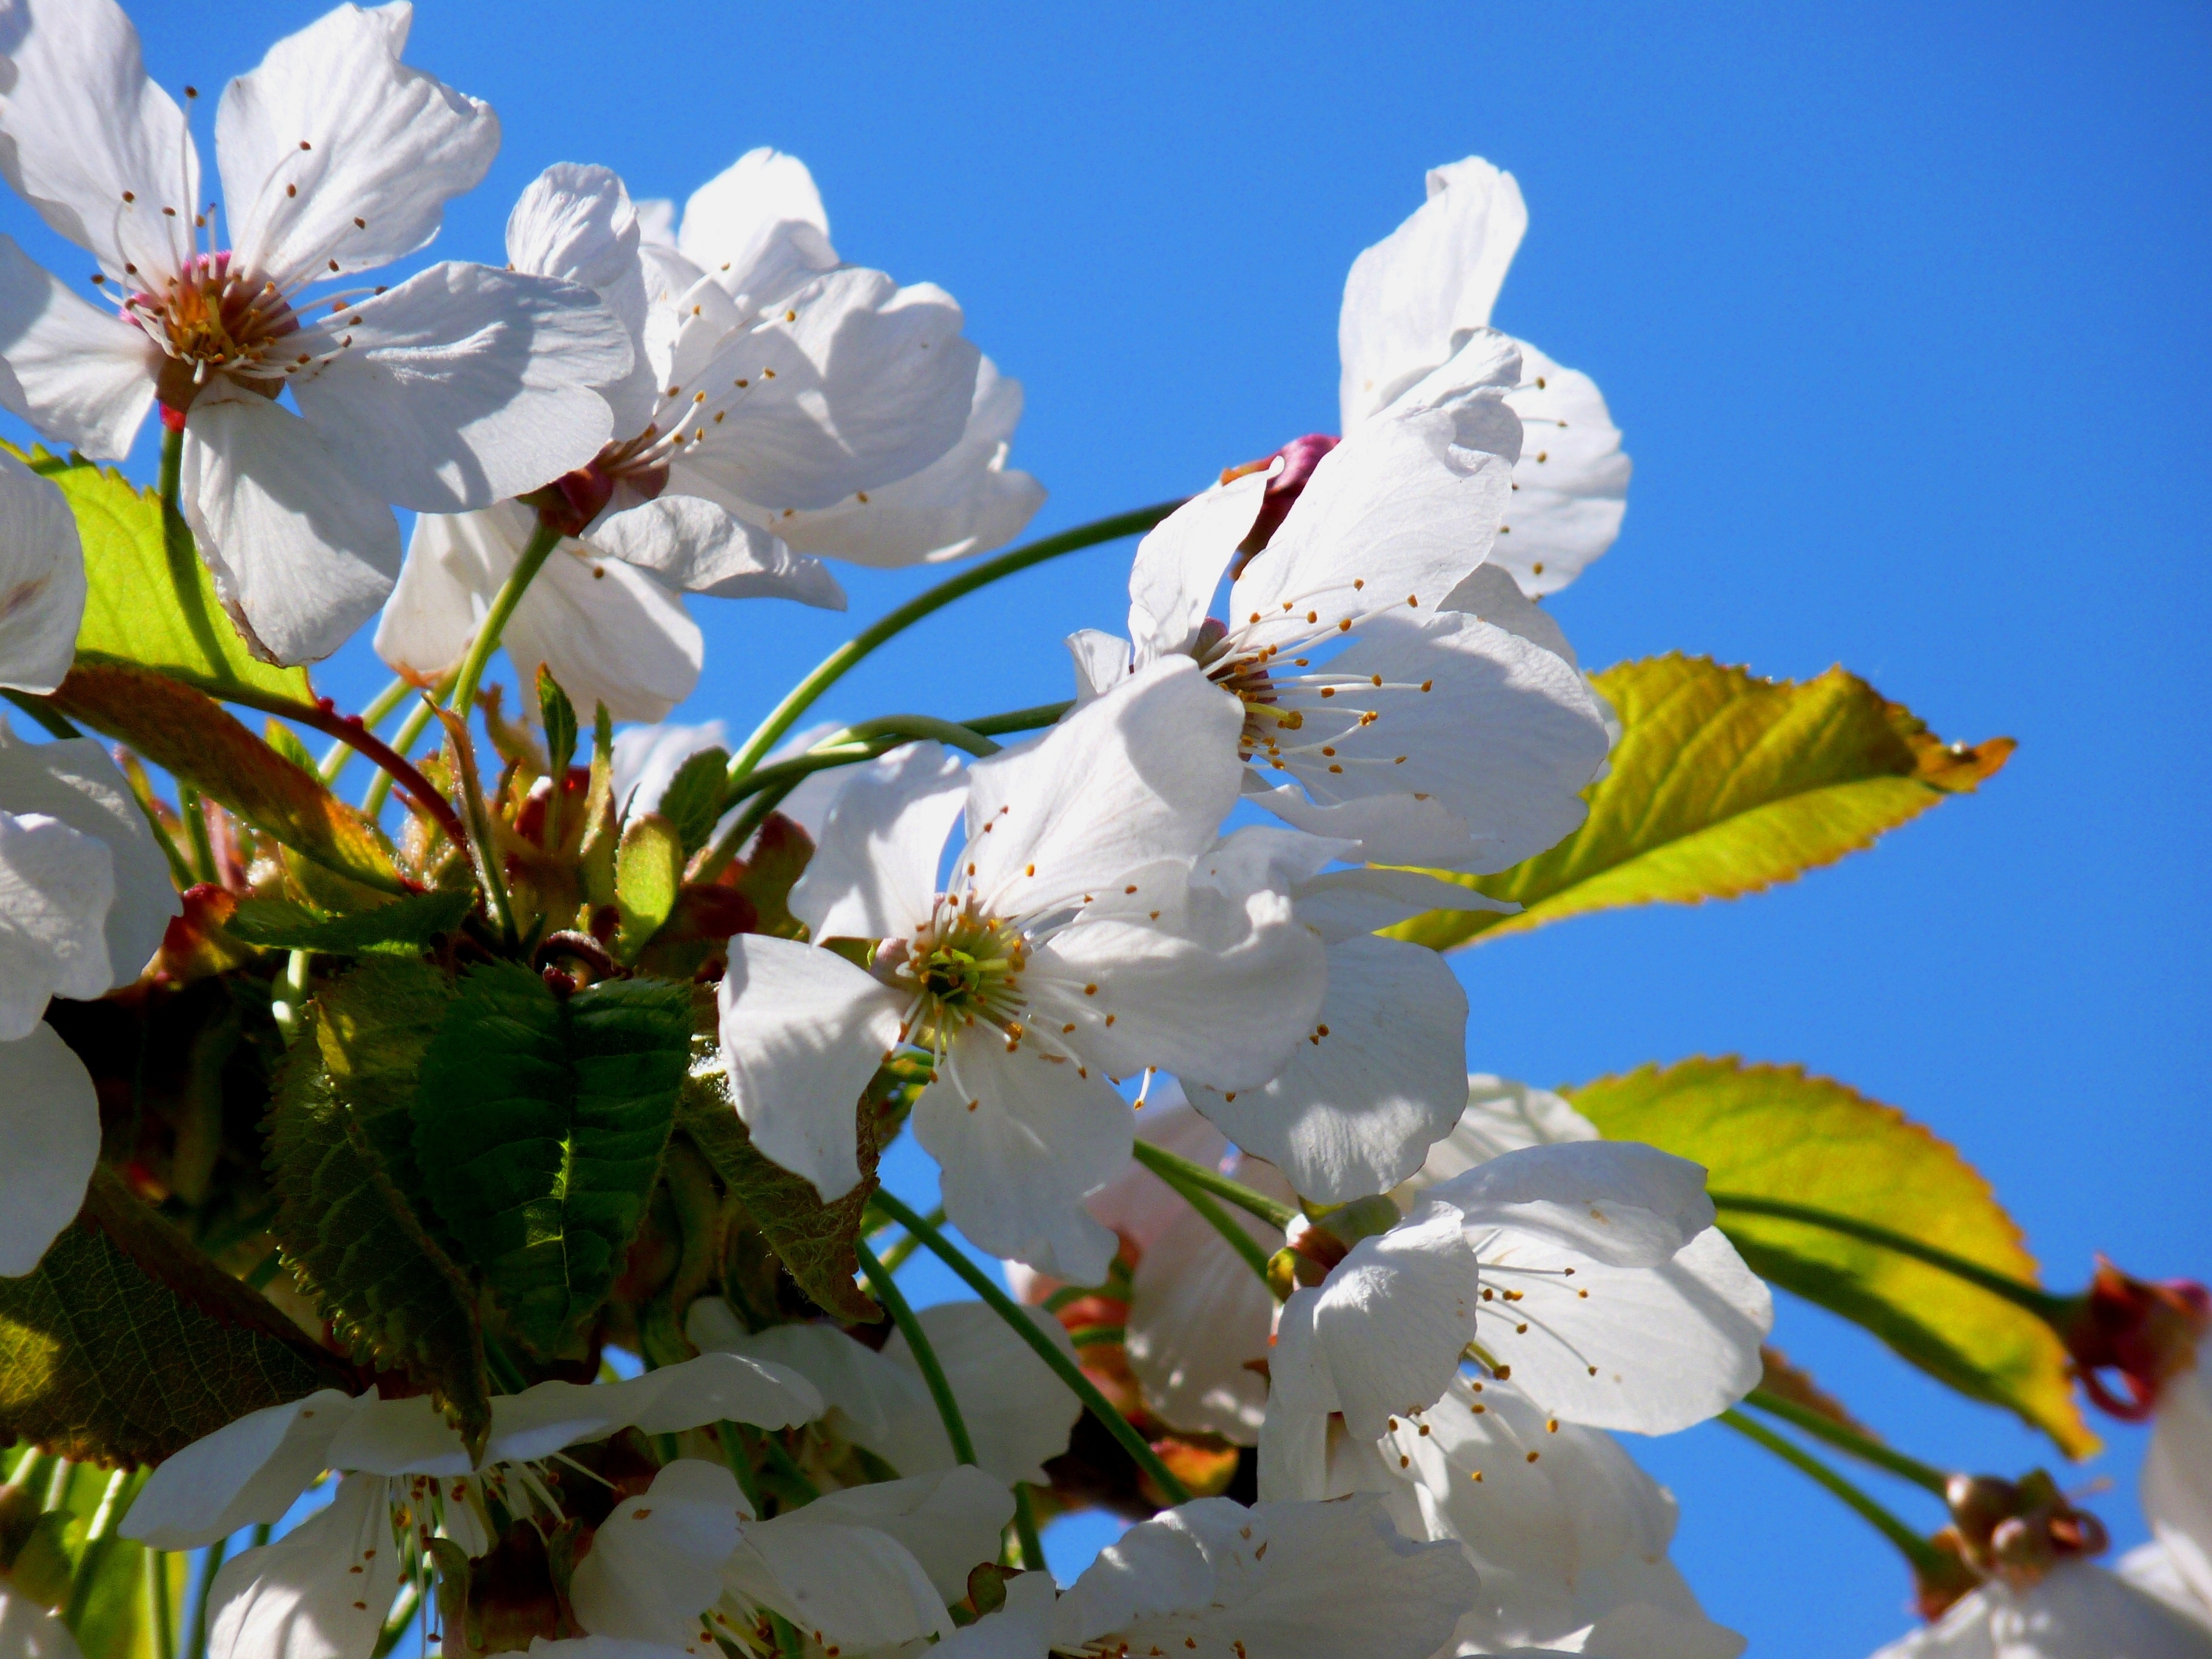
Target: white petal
301	553
872	1401
76	780
853	383
81	124
2176	1473
1186	978
967	501
542	1419
648	758
950	1522
703	548
1136	1204
2077	1612
609	634
1491	592
874	870
1182	560
1501	1116
465	385
407	1436
1198	1316
1154	1568
1346	904
1144	773
1020	1139
655	1563
2150	1568
300	1597
1017	1412
577	224
81	375
28	1631
1355	1111
337	157
802	1032
1647	1350
50	1124
41	580
1570	484
1102	662
56	888
848	1587
750	224
249	1471
1615	1201
1383	1332
1411	295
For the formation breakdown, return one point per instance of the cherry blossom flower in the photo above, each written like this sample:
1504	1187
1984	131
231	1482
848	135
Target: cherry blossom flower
2075	1611
1589	1275
1427	734
1277	1581
1419	297
84	897
458	387
1071	947
328	1584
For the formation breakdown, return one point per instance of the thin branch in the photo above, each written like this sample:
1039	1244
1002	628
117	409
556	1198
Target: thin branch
1924	1558
1179	1172
1924	1476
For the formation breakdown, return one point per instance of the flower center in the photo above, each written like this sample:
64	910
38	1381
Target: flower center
213	319
961	968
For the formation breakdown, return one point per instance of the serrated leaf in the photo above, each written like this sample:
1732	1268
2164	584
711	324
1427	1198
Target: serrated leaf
126	1344
186	732
693	800
1771	1131
1723	784
649	875
344	1219
149	599
813	1240
540	1125
278	924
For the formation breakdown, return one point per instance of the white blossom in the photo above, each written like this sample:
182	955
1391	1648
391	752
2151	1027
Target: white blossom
2075	1611
458	387
2177	1471
42	585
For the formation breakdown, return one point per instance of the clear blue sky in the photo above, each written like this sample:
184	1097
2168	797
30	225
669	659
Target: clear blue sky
1902	309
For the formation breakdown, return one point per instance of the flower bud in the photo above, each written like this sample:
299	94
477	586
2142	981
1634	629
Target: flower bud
2147	1332
1299	456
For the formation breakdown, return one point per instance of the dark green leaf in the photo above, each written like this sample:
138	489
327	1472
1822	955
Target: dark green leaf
693	799
558	716
126	1344
414	921
540	1127
345	1217
814	1240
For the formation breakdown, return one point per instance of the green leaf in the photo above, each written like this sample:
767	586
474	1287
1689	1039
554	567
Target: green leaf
286	742
187	732
649	875
540	1126
813	1240
341	1153
769	873
1771	1131
126	1344
558	716
1723	784
693	799
150	600
279	924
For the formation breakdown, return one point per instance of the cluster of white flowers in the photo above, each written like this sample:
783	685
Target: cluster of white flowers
1158	921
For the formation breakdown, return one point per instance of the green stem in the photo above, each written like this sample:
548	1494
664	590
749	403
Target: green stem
1923	1475
1181	1172
833	667
56	725
2057	1311
173	467
896	1252
210	1565
786	1467
395	1627
289	1003
409	734
181	870
1064	1368
98	1539
924	1356
504	1370
1924	1556
1025	1529
542	540
1218	1219
160	1614
734	1443
193	812
336	756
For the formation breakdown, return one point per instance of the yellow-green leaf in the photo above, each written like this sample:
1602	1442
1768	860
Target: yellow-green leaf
187	733
150	600
648	874
1772	1132
1723	784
